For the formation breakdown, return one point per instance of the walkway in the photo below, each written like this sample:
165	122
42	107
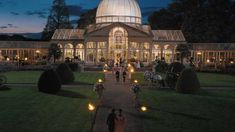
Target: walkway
117	95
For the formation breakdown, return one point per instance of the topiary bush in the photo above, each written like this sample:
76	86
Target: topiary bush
74	66
161	67
65	73
49	82
173	73
188	82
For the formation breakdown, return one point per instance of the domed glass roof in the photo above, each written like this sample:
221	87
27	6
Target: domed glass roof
126	11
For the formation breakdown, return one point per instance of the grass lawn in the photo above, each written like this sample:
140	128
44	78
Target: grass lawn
33	76
207	111
27	110
206	79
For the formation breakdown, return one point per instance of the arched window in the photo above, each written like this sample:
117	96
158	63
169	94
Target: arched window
80	51
68	51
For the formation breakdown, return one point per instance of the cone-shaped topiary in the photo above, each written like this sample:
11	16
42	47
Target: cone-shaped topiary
188	82
65	73
49	82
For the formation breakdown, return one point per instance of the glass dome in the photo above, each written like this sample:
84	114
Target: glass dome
126	11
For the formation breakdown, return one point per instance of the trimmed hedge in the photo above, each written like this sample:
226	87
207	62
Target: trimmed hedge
49	82
173	73
65	73
188	82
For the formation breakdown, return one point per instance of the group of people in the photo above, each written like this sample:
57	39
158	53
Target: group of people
116	121
117	74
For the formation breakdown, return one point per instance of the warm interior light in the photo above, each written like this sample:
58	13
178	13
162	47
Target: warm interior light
144	108
136	81
207	60
105	70
129	65
199	53
91	107
8	59
232	62
37	51
26	59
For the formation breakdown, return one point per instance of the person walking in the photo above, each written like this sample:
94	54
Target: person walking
117	75
99	88
111	121
119	122
124	75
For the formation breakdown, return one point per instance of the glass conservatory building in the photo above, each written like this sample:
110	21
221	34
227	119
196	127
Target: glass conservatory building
118	34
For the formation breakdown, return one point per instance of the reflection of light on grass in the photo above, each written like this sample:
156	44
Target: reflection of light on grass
91	107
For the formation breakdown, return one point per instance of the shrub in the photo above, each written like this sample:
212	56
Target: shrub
188	82
176	67
65	74
161	66
173	72
74	66
49	82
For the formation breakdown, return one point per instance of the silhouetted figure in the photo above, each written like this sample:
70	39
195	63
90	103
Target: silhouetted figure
119	122
111	121
124	76
117	75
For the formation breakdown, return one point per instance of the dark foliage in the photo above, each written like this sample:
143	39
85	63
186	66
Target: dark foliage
58	19
65	73
161	66
74	67
173	73
54	51
14	37
188	82
200	20
49	82
87	18
183	51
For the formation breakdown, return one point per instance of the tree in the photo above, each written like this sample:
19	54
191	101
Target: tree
183	51
200	20
54	51
87	18
58	19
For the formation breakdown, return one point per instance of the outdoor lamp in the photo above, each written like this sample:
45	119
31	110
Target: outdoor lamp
91	107
105	70
232	62
208	61
143	108
8	59
129	65
100	80
26	59
132	70
136	81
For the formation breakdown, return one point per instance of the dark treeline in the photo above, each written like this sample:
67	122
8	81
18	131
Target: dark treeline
15	37
200	20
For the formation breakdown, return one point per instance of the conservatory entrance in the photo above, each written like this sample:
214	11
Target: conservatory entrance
118	44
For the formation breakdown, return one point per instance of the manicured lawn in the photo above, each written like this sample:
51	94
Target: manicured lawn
33	76
27	110
210	79
23	76
207	111
88	77
206	79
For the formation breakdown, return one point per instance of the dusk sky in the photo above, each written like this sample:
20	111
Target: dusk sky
29	16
